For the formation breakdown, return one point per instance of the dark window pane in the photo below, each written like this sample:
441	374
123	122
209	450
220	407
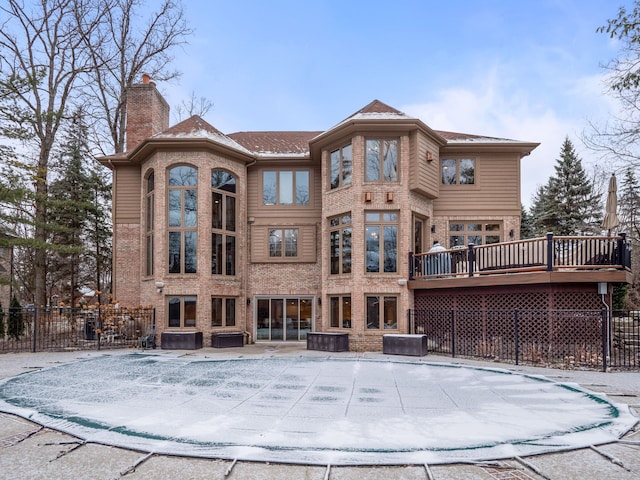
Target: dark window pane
174	312
492	239
335	168
373	312
390	312
150	182
149	213
149	255
291	243
175	241
334	251
190	252
230	312
216	254
346	250
373	249
189	311
346	312
334	310
216	312
231	214
231	255
216	210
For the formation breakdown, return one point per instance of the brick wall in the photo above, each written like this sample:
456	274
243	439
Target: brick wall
147	113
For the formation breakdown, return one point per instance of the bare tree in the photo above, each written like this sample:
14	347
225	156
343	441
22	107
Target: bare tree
193	106
618	138
121	50
42	56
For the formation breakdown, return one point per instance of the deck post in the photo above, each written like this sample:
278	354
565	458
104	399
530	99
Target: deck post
605	338
549	252
411	265
515	334
472	259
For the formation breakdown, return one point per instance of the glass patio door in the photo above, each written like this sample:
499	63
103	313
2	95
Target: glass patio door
282	319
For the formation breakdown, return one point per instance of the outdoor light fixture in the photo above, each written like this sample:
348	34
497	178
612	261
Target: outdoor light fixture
159	286
402	282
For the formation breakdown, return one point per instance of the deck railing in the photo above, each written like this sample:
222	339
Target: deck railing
550	253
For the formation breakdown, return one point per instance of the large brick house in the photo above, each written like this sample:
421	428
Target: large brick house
280	233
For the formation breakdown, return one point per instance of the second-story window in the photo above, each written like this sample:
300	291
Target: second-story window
381	161
341	163
381	241
149	223
183	219
340	240
283	242
285	187
461	171
223	223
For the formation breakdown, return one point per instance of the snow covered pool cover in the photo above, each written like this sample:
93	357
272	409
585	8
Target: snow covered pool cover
313	410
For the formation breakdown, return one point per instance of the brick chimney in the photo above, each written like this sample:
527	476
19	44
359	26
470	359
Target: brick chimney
147	112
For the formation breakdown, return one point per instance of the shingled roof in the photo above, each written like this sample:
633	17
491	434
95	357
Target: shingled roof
275	143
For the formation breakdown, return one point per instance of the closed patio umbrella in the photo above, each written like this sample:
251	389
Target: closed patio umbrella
611	209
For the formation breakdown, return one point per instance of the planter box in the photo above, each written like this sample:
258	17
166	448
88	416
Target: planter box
398	344
328	342
228	339
181	340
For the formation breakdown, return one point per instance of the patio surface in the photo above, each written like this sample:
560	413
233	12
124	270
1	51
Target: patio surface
279	411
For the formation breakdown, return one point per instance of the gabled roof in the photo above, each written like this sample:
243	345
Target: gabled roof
275	143
195	127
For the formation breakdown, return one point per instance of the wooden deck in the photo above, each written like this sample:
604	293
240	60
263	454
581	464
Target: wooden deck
539	260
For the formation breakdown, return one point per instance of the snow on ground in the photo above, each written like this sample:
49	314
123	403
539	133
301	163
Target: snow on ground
313	409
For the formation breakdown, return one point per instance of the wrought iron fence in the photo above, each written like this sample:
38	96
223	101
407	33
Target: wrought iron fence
566	338
65	328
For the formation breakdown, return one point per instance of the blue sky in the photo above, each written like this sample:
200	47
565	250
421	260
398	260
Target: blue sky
523	69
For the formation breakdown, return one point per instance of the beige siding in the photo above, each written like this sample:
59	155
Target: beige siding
127	195
424	175
495	192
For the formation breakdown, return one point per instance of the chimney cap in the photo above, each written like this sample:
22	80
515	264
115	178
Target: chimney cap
146	78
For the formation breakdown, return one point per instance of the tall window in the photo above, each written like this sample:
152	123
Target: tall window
183	218
223	223
382	161
223	312
283	242
149	220
381	237
461	171
285	187
182	312
341	163
382	312
340	238
340	311
478	233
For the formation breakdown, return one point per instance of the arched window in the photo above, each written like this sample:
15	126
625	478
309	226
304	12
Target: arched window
183	219
223	223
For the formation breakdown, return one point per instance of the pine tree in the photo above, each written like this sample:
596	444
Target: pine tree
539	211
628	214
526	224
69	208
572	206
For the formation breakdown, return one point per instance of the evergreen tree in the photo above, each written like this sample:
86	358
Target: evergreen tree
15	325
572	206
539	211
628	214
71	208
526	224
